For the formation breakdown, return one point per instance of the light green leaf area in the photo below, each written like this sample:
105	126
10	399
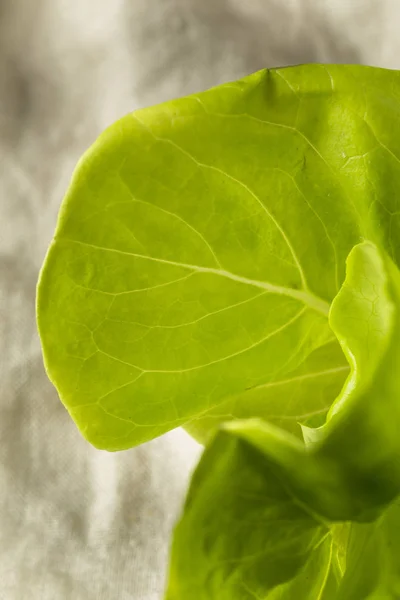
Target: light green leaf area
373	559
201	243
302	396
269	517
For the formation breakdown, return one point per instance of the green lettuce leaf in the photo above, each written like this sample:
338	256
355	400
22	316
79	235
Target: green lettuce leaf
269	517
201	244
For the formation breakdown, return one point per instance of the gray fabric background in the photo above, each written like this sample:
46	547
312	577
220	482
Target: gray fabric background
76	523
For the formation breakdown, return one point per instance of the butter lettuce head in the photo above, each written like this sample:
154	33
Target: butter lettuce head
232	258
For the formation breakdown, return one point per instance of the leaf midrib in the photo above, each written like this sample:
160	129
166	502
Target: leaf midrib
305	296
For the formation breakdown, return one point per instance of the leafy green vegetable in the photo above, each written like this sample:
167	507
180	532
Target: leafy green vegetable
198	276
261	518
201	243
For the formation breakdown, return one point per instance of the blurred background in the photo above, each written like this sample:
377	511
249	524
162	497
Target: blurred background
76	523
